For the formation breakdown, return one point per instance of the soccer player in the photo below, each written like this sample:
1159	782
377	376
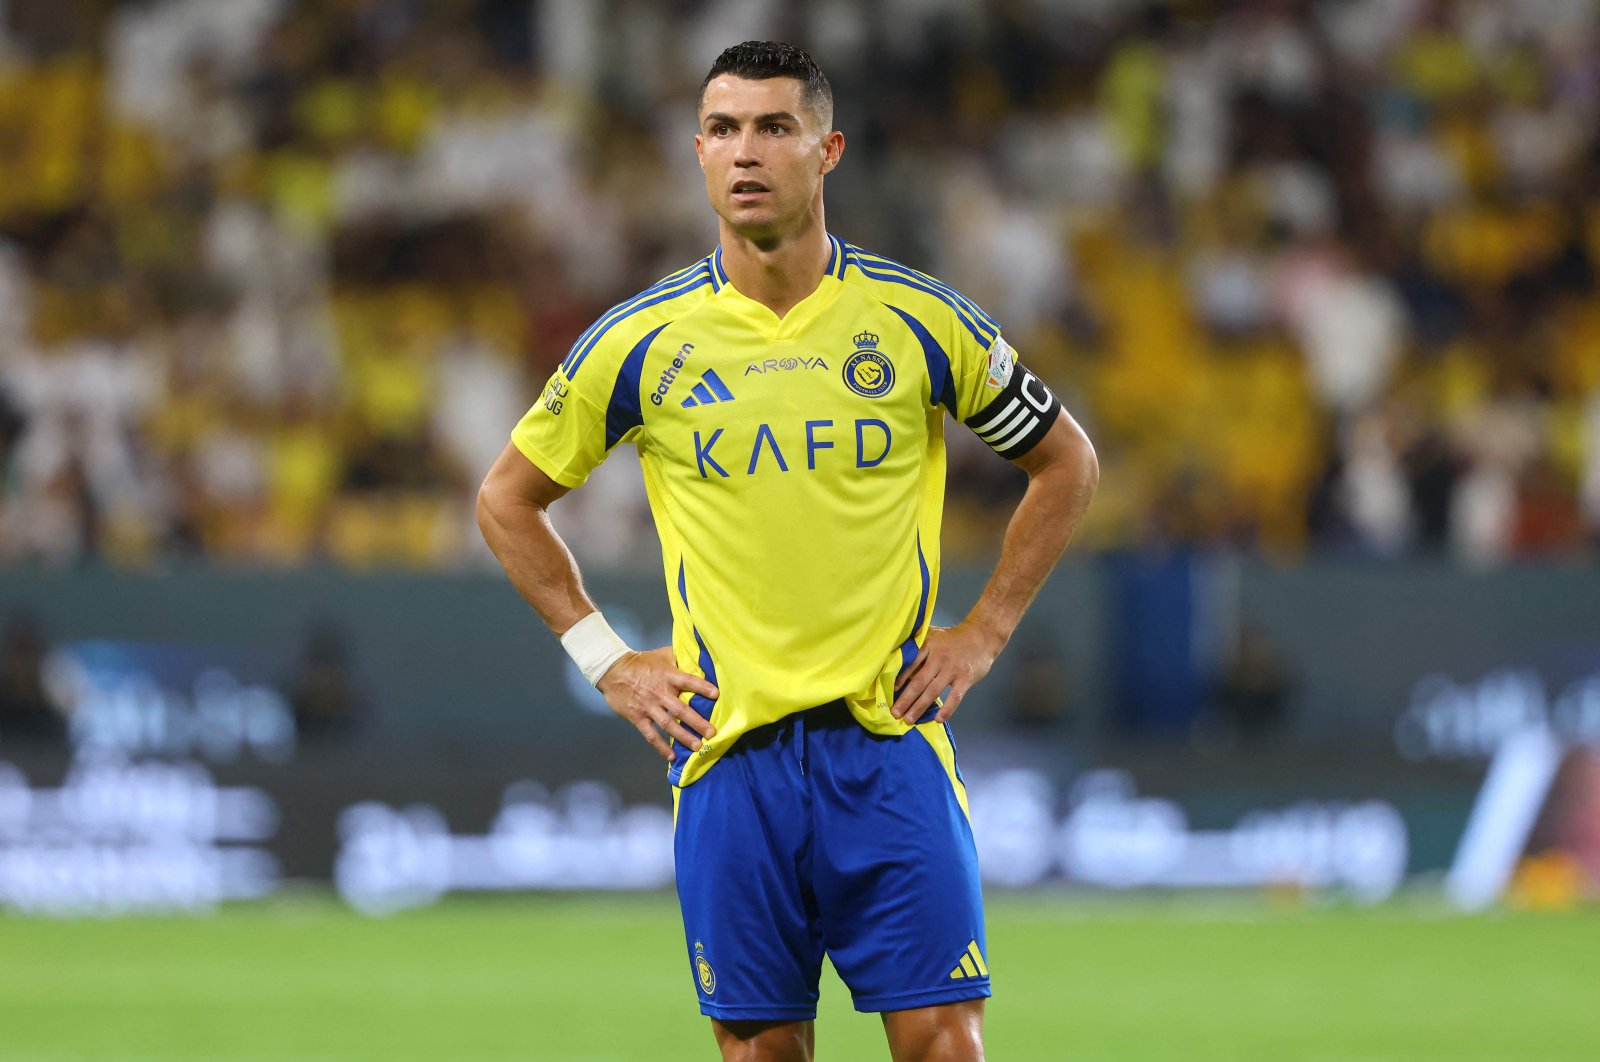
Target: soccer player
787	395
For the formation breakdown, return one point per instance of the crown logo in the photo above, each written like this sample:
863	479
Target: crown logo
866	341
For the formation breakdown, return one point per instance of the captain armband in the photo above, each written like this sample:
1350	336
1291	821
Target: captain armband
1019	416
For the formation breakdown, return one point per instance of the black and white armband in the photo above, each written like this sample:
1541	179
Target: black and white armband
1020	413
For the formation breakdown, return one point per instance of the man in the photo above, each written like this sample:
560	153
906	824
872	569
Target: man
787	396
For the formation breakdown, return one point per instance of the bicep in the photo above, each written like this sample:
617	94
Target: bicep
1064	445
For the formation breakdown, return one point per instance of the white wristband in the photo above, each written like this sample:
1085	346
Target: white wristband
593	646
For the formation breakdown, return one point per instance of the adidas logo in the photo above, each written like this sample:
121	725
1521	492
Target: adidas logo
709	391
972	964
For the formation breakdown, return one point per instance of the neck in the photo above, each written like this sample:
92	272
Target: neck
779	271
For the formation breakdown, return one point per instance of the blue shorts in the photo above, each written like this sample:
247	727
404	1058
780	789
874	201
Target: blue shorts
813	835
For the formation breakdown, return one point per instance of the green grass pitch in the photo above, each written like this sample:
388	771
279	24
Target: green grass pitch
587	979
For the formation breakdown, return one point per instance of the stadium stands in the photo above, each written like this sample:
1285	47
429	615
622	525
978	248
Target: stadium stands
276	277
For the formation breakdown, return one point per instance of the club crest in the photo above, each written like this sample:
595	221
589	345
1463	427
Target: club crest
867	372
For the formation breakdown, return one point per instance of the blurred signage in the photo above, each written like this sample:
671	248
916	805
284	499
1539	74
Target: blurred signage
1525	726
1115	838
580	837
1454	720
217	703
118	837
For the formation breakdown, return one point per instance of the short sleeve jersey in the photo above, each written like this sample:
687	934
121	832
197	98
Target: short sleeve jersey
794	467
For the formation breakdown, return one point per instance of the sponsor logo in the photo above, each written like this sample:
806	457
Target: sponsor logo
709	391
868	443
867	372
784	365
670	373
555	394
972	964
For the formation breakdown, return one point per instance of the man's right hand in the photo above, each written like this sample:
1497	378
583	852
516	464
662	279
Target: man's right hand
644	689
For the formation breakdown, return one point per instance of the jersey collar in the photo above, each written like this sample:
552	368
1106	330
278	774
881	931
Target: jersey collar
804	313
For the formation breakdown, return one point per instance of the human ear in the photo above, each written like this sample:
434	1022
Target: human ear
832	150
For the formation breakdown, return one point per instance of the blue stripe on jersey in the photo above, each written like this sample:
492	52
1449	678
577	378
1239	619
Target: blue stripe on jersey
973	308
977	332
719	276
957	301
843	252
718	388
908	648
694	277
833	257
659	285
942	385
704	705
622	412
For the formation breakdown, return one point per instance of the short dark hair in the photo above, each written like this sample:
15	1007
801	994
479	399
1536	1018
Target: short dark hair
759	60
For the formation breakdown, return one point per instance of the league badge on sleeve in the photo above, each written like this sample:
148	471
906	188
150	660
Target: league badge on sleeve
1000	363
866	372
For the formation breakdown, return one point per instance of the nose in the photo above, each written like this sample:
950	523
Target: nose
746	155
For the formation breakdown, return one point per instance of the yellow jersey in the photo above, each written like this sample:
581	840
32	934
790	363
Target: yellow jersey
795	470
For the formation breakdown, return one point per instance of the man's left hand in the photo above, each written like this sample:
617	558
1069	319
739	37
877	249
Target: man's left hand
956	657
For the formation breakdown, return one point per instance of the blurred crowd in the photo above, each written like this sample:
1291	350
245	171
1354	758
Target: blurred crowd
277	277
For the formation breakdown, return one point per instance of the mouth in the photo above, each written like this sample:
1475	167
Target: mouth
748	191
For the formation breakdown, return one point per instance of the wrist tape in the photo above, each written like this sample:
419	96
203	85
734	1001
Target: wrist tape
593	646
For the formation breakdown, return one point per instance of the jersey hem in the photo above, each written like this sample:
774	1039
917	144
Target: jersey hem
758	1012
877	1004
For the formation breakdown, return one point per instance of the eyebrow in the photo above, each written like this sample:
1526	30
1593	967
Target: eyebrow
761	119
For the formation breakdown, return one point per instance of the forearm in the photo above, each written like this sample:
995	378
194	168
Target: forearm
1058	495
644	688
535	558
